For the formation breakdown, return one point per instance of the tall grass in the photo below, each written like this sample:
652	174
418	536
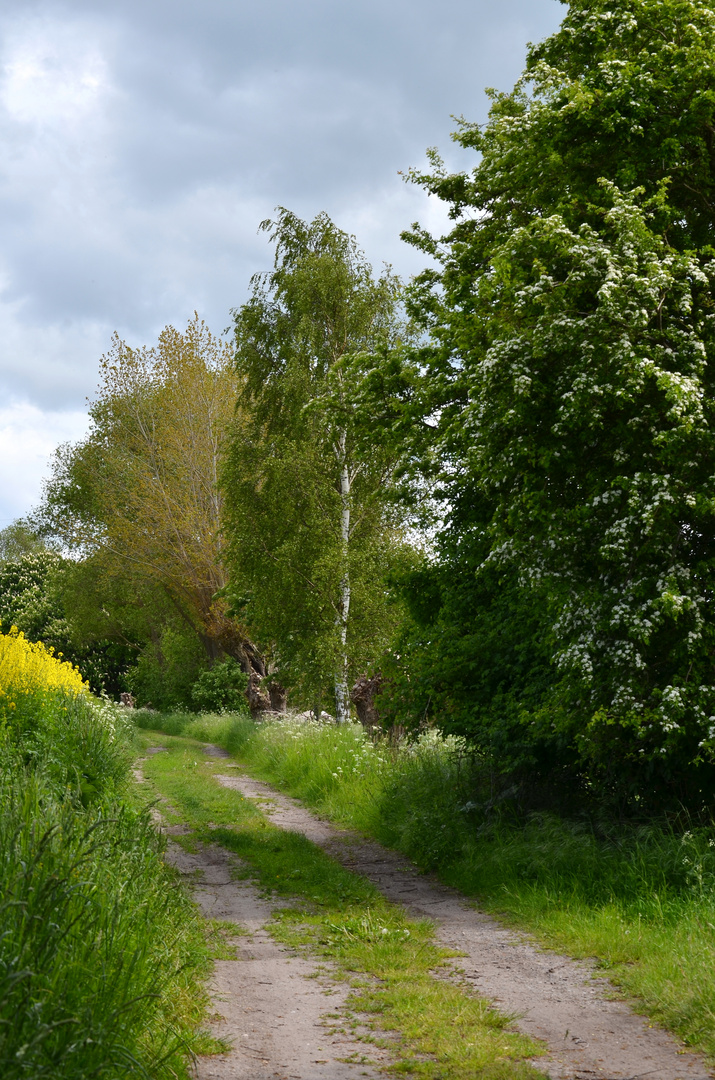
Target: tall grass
639	899
229	730
93	939
100	953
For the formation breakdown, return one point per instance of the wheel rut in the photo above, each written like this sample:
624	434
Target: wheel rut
563	1002
271	1004
282	1015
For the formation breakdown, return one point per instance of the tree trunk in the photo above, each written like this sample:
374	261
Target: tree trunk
258	700
279	697
363	698
342	700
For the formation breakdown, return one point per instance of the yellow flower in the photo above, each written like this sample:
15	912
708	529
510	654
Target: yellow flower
26	667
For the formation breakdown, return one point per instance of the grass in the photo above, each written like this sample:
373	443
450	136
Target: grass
102	957
641	900
392	962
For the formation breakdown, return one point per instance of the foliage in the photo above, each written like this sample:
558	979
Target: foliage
220	688
19	539
167	668
170	675
46	709
566	373
40	593
29	597
137	501
309	527
624	90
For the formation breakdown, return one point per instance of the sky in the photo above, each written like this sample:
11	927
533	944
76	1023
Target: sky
143	141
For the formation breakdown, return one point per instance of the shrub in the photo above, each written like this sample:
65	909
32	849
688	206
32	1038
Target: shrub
221	688
27	667
166	670
33	683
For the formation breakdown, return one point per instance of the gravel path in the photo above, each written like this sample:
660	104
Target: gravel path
555	999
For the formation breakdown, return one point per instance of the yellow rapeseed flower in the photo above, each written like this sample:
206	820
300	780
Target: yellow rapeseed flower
27	667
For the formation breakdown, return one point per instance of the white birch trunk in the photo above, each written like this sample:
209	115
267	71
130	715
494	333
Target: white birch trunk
342	700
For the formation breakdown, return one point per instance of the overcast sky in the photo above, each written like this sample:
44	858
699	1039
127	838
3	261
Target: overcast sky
144	140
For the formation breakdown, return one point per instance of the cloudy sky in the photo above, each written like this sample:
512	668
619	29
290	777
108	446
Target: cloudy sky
144	140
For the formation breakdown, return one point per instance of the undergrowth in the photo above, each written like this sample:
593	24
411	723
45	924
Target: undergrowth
101	956
638	898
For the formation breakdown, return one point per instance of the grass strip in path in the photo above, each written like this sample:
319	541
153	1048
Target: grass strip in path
400	977
639	901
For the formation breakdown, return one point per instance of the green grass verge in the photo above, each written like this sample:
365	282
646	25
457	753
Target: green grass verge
641	900
444	1031
102	957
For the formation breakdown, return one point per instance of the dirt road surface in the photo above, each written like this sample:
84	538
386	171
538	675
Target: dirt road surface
278	1011
555	999
271	1005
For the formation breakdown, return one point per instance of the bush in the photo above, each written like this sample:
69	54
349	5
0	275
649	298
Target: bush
221	688
167	669
28	672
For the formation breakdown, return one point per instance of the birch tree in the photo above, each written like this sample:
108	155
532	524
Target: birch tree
308	525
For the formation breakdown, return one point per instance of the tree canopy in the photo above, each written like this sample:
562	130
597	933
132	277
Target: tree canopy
570	325
138	501
308	523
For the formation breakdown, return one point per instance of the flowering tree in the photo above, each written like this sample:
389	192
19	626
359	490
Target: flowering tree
29	597
571	325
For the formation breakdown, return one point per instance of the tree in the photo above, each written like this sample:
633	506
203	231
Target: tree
570	322
29	597
38	593
138	500
19	539
308	524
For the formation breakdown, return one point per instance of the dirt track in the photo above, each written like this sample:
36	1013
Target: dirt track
554	998
278	1011
271	1004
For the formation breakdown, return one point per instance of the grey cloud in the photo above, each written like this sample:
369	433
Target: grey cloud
145	203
